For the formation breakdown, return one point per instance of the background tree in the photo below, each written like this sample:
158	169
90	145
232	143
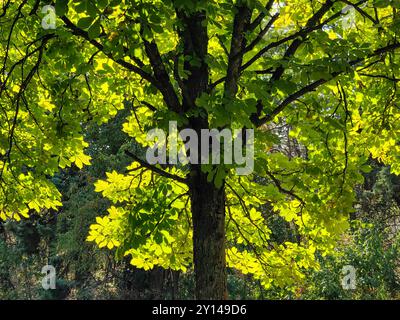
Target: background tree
206	64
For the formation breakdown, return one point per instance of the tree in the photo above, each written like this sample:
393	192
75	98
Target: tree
326	70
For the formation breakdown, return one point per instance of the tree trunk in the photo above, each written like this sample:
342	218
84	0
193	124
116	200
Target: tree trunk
208	210
208	202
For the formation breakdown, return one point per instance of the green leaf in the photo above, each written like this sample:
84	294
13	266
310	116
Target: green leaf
85	22
382	3
95	30
61	7
102	3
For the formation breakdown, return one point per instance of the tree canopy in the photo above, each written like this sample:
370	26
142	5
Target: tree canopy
317	80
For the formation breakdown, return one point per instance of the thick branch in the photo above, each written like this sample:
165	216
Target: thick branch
161	75
312	22
83	34
238	44
301	33
262	33
257	21
194	38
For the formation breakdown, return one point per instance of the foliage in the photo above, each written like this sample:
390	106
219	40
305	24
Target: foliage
371	247
298	64
375	260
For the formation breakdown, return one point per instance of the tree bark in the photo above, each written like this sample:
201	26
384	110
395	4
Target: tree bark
208	210
208	202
